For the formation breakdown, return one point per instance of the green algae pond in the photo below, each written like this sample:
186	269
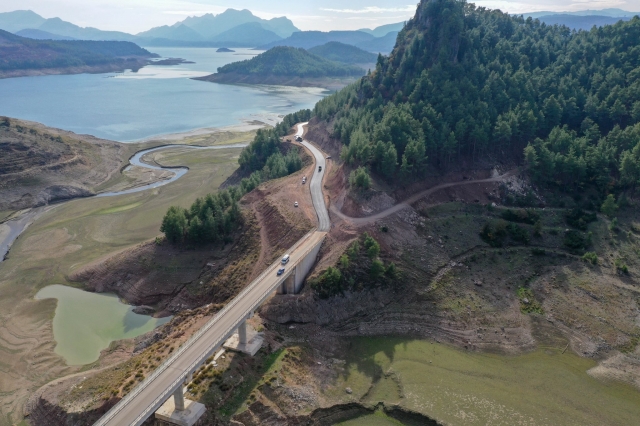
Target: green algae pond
452	386
86	323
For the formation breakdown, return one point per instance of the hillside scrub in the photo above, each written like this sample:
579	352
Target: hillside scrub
468	83
358	268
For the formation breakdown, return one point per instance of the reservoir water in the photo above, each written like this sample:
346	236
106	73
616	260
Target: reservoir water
155	100
86	323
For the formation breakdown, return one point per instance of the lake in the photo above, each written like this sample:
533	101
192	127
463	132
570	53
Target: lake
155	100
86	323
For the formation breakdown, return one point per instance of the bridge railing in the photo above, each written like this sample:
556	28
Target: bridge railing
104	420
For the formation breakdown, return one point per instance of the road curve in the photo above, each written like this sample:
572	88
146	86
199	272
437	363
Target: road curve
148	396
324	224
406	203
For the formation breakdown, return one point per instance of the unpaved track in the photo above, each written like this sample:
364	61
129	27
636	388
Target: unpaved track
361	221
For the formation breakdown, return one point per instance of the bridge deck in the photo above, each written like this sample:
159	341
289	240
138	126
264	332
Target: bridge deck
147	397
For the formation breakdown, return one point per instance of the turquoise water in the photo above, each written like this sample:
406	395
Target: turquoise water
86	323
155	100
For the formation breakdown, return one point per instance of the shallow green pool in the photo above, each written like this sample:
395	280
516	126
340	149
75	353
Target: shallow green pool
377	419
86	323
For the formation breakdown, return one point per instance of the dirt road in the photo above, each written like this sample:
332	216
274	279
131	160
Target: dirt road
361	221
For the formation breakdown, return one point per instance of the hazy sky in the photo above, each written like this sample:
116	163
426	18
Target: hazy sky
139	15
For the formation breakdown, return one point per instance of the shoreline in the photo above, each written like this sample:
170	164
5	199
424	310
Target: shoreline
327	83
246	125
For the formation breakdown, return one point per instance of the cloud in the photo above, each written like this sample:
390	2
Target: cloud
373	9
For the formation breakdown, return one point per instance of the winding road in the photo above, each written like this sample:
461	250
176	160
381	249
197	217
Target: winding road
324	224
148	396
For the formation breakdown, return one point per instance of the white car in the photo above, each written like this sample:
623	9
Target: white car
295	204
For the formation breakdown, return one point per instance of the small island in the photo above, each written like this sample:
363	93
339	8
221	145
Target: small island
225	50
287	66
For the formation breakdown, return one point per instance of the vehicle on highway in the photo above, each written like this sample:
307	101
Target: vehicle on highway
280	271
295	204
320	168
298	139
285	259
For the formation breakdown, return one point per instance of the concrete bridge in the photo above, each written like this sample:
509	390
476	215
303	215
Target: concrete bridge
162	392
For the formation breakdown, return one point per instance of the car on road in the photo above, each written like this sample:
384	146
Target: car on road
304	180
320	168
295	204
285	259
280	271
298	139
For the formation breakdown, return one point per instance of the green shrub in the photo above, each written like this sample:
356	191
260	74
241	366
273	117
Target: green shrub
521	216
620	266
590	257
580	219
538	251
609	207
518	233
528	303
494	233
575	241
360	179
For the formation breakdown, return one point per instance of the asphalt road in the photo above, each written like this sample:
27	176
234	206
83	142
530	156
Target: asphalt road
324	224
146	398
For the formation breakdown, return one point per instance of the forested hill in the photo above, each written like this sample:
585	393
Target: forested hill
293	62
345	53
470	85
19	53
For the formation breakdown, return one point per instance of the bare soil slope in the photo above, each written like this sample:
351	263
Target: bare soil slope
40	165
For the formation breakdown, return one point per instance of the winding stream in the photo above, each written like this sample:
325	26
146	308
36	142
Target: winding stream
11	229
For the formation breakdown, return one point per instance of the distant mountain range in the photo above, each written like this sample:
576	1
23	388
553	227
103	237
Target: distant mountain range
585	19
612	13
581	22
360	39
232	28
241	28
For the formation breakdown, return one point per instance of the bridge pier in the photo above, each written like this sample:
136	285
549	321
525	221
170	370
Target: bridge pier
179	410
290	283
246	340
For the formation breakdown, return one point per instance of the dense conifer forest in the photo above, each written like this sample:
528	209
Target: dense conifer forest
468	84
291	62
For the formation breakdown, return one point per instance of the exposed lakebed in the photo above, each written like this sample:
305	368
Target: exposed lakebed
11	230
86	323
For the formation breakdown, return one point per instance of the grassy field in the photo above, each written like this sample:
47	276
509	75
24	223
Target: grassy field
544	387
69	236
